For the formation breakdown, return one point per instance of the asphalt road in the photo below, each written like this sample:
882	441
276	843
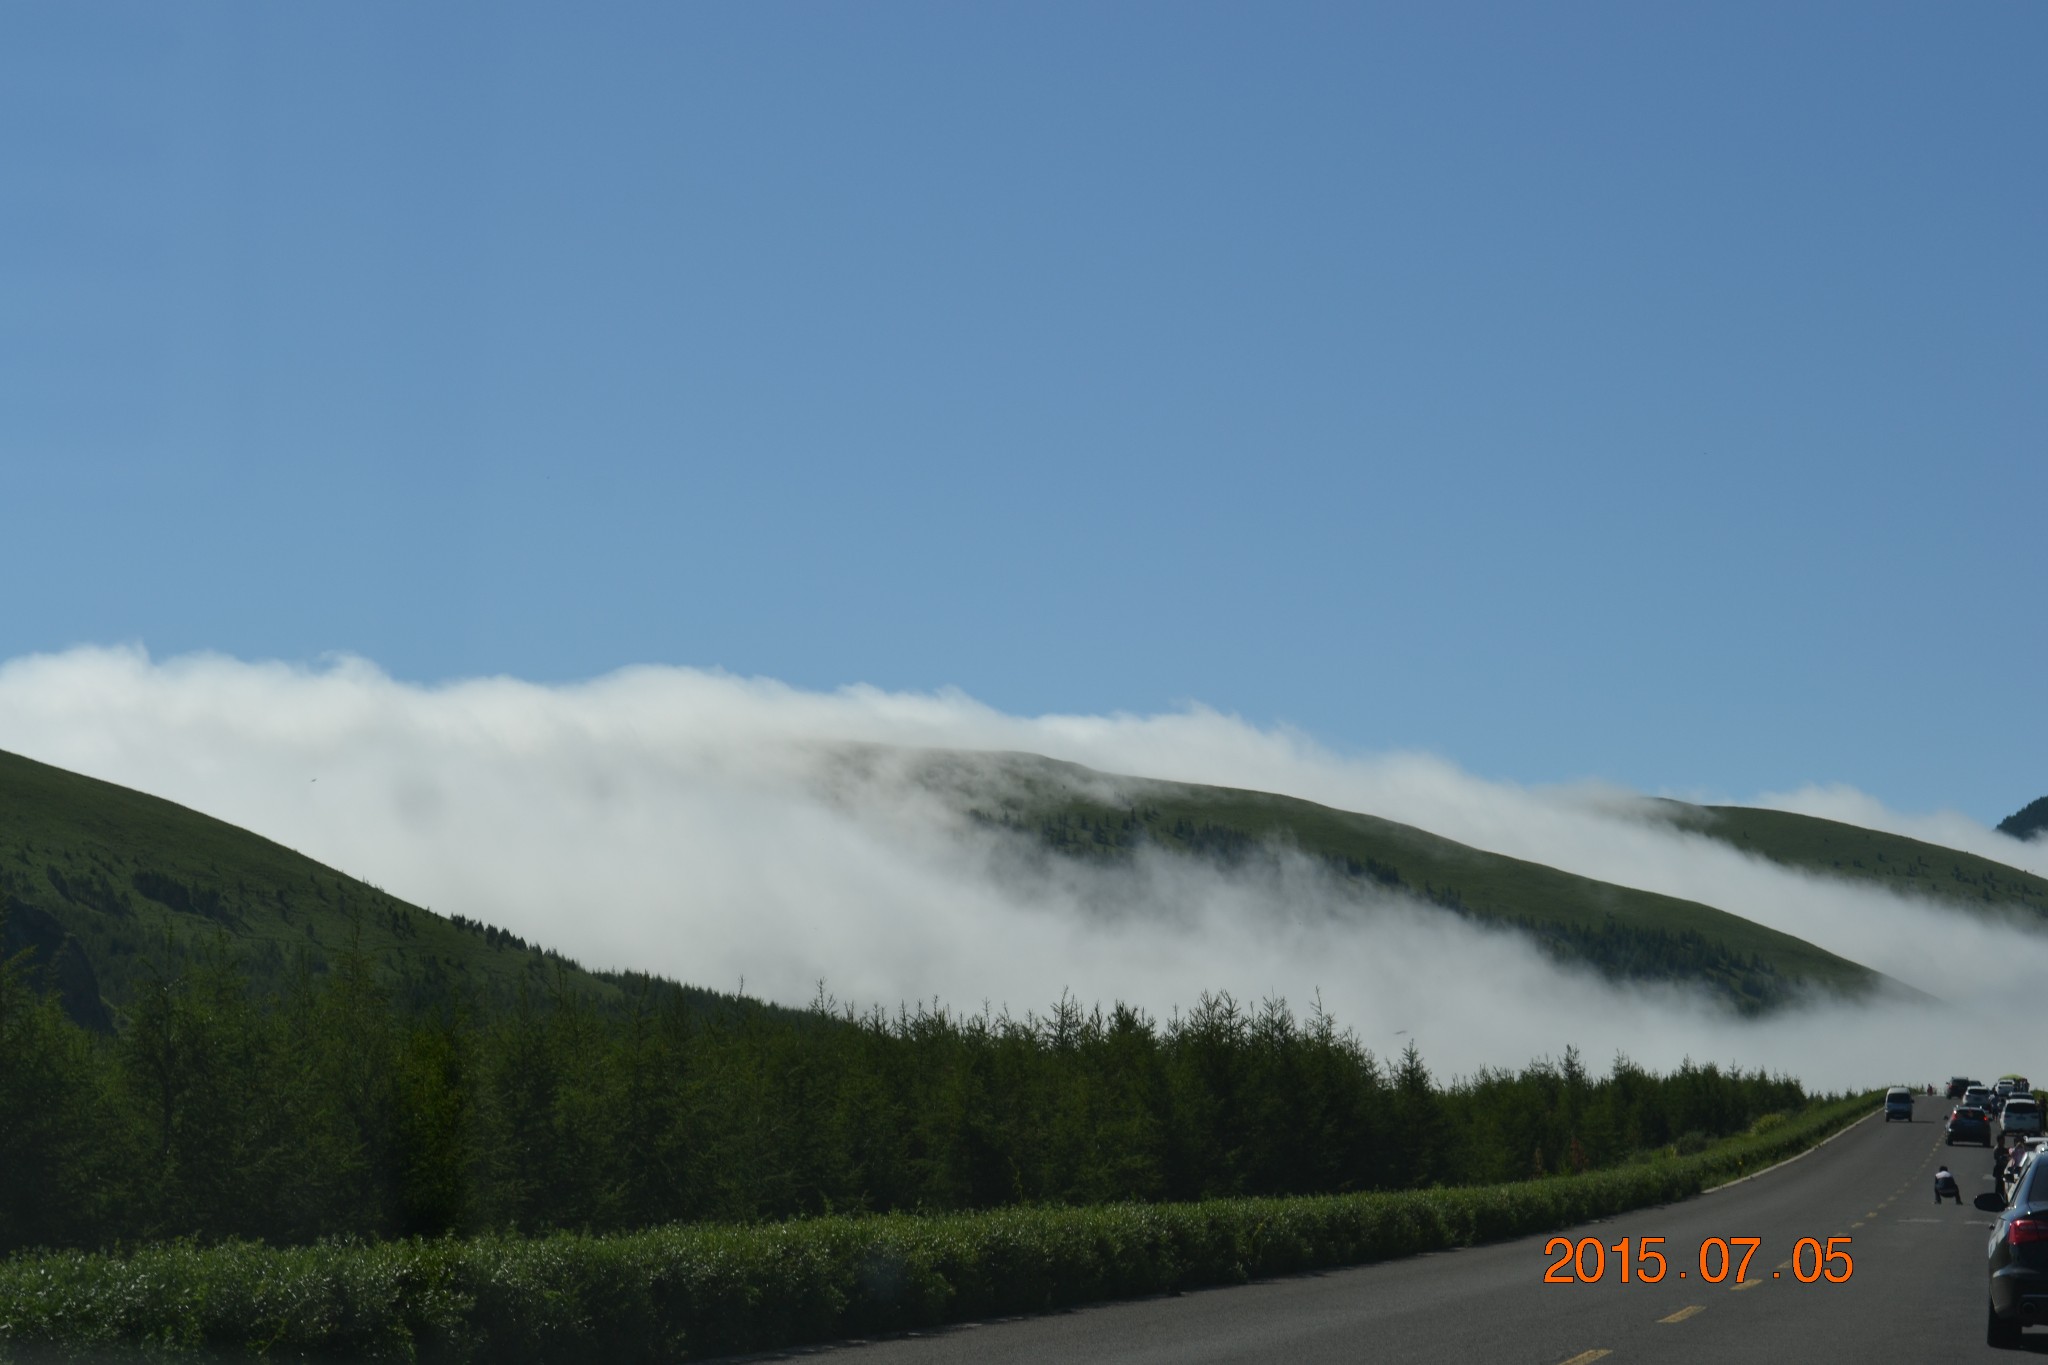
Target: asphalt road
1916	1291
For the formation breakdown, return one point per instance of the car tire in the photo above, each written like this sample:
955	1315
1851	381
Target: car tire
1997	1331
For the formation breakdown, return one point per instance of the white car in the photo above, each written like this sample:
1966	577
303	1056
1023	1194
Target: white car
2021	1116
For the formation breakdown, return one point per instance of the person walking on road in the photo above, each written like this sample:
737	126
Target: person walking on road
1945	1186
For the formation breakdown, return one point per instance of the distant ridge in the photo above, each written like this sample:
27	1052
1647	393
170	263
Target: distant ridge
1853	853
2027	821
107	889
1622	932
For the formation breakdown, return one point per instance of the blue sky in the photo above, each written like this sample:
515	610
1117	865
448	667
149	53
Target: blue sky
1575	391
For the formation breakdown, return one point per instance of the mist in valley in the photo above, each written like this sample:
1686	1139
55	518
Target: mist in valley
728	831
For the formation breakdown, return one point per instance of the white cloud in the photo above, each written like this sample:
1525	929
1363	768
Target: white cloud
709	828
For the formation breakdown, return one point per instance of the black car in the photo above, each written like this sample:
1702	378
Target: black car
1969	1124
2018	1256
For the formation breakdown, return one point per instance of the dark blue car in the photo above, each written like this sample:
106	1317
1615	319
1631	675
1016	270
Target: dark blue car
1969	1124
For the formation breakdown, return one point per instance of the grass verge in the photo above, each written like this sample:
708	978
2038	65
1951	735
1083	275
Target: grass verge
694	1291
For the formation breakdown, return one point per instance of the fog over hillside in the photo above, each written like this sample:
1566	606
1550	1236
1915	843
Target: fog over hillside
715	829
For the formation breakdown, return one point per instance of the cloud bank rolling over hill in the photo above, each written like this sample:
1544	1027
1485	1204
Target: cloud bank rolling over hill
712	828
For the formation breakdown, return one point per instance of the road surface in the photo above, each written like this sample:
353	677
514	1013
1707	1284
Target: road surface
1916	1291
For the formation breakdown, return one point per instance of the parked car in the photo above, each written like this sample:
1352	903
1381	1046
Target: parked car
2023	1153
2018	1260
2020	1116
1898	1104
1969	1124
1978	1095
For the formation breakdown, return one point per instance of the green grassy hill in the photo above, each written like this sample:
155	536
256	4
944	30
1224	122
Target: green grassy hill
1625	933
110	886
1852	852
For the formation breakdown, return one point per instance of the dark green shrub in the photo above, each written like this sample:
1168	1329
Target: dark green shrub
697	1290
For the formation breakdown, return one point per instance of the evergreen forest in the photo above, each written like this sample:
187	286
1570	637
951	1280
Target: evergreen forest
2028	821
325	1108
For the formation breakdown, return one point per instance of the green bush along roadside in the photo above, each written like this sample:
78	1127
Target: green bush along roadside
696	1290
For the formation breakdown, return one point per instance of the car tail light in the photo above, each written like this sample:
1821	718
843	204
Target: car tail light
2021	1231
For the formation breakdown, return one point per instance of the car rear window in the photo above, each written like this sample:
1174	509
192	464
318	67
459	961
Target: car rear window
2020	1106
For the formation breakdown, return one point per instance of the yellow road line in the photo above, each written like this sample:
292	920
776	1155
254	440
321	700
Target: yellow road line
1747	1284
1587	1357
1782	1265
1682	1314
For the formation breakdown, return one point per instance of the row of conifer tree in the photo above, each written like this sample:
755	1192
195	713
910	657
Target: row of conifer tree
325	1111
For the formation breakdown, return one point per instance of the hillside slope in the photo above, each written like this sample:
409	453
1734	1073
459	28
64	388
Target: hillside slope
1894	861
1622	932
110	885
